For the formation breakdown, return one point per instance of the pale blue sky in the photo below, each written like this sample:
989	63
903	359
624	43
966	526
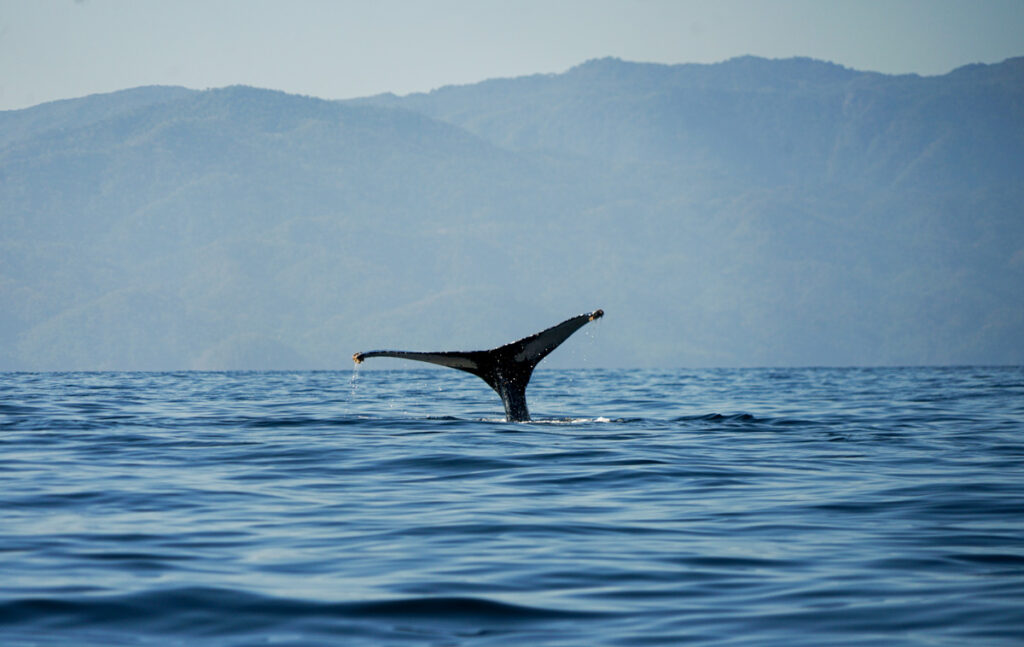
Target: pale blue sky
53	49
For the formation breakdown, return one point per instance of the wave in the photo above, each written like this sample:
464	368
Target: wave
211	610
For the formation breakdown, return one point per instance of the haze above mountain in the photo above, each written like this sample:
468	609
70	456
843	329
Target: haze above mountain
748	213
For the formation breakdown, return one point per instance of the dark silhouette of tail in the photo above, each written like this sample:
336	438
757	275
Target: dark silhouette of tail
507	369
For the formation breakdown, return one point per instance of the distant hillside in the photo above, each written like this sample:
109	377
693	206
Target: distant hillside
75	113
752	212
796	120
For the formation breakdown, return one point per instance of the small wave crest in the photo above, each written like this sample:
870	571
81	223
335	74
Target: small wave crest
205	611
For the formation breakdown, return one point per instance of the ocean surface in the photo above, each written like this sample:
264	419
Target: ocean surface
397	507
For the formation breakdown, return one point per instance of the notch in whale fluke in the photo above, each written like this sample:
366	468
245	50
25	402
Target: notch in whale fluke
506	369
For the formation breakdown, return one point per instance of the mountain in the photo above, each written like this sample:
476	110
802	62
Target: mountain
75	113
794	120
752	212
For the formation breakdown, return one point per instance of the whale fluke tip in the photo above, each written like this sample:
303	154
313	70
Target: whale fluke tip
357	358
596	314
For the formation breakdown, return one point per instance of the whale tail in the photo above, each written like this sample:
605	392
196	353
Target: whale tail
506	369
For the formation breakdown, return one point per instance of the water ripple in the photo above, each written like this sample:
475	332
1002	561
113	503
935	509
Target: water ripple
718	507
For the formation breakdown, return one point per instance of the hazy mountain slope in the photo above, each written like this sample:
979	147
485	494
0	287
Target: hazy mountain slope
748	213
891	194
789	120
737	113
183	233
75	113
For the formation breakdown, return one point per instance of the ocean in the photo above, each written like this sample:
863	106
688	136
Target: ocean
397	507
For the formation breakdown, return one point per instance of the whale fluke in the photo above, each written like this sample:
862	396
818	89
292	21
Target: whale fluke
507	369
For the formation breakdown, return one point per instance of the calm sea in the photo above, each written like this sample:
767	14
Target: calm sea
711	507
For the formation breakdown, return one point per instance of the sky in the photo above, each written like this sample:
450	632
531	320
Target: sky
57	49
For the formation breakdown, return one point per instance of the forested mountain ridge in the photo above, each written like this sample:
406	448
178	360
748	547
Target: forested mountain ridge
752	212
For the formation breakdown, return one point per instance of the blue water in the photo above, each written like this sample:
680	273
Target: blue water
718	507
